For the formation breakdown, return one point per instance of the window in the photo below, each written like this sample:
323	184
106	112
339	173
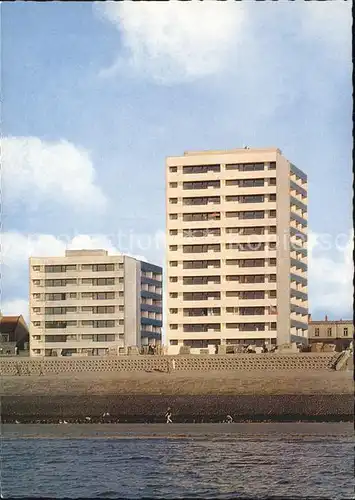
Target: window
63	282
173	247
173	279
272	229
272	262
251	183
104	323
200	233
201	248
202	327
252	278
173	201
55	324
173	184
173	169
36	268
232	230
201	184
173	263
200	280
252	230
55	296
232	198
121	322
232	277
272	165
272	294
246	247
252	263
36	296
199	200
272	181
103	309
201	295
272	197
259	214
173	232
329	332
272	277
251	327
173	342
37	282
345	332
272	245
200	216
173	216
246	167
273	325
121	308
259	294
201	169
232	182
36	323
251	167
272	214
201	264
173	327
251	311
232	262
251	198
173	311
173	295
316	332
103	267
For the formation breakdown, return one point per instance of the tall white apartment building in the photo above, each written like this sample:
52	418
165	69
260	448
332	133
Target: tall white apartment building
236	249
91	303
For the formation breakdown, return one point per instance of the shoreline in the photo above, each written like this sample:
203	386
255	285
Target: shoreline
224	431
135	408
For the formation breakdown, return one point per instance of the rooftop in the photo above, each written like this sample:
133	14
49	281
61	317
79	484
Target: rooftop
233	151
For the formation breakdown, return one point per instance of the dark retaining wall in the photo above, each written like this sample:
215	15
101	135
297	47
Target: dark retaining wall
146	408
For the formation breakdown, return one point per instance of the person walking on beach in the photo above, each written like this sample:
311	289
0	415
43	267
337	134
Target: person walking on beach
229	419
168	416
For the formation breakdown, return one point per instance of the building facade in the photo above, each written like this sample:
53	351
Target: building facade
91	303
339	332
14	336
236	249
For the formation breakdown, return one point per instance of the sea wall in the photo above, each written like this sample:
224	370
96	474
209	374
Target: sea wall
242	362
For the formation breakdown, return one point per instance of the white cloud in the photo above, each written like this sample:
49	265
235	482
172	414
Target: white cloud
36	171
17	247
330	278
15	307
176	41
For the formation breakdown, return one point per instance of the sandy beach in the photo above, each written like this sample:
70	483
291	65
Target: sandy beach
182	383
298	430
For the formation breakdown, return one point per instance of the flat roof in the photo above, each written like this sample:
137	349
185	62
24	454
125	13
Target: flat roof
231	151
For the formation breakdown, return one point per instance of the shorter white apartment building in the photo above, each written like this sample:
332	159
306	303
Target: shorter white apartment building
89	303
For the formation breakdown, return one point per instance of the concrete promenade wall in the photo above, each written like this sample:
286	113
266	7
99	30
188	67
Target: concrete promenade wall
244	362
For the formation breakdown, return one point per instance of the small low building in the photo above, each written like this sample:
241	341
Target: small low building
14	336
338	332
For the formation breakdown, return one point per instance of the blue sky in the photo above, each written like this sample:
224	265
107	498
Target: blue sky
104	92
